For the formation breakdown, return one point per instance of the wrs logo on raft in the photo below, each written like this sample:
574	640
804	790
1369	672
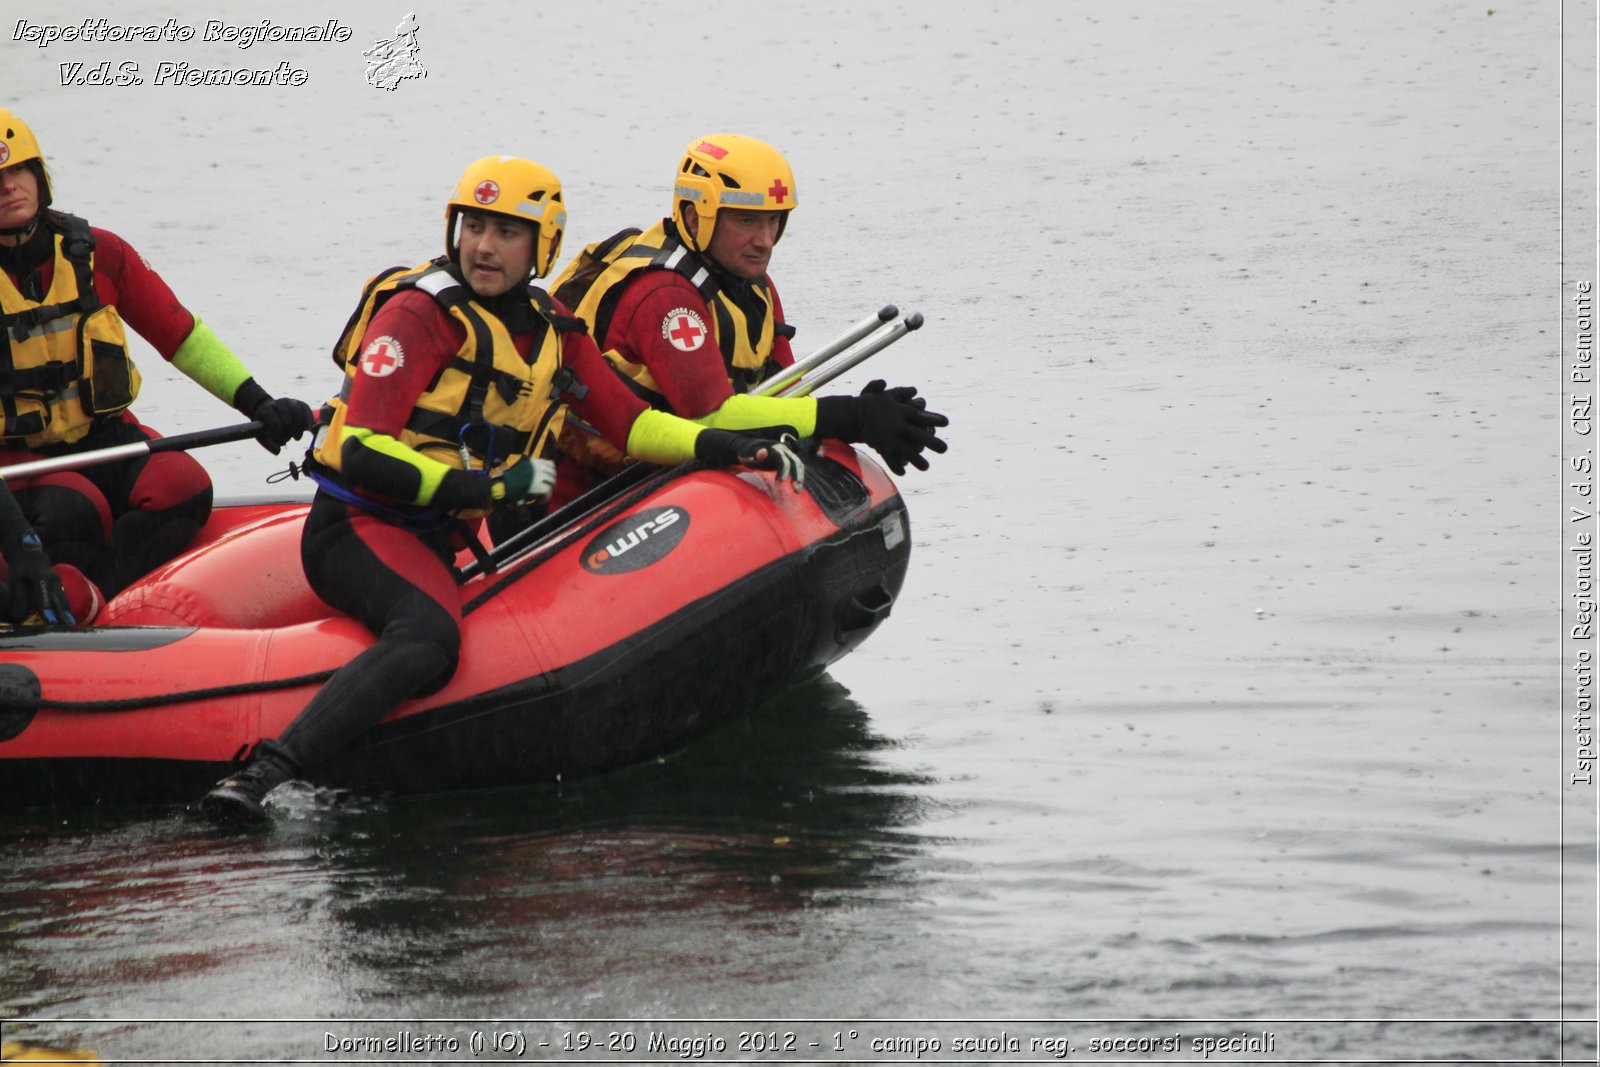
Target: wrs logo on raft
635	542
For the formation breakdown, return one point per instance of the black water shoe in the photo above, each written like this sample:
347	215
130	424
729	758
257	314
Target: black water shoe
240	797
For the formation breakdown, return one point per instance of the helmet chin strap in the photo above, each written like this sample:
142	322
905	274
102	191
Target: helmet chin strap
688	217
25	230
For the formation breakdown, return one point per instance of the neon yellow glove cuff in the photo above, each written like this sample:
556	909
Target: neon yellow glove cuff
204	358
430	471
745	412
657	437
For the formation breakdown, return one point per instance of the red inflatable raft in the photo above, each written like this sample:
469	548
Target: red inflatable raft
589	644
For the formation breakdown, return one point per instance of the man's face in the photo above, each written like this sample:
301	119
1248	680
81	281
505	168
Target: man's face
496	253
19	195
742	242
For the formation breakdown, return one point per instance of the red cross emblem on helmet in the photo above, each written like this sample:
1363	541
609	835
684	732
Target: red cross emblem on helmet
5	153
487	192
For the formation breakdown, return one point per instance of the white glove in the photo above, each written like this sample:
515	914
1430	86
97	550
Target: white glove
525	480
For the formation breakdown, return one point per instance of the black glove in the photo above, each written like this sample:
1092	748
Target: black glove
722	448
35	586
895	422
282	418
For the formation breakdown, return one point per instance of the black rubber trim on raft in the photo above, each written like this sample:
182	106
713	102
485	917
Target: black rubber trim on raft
19	699
135	703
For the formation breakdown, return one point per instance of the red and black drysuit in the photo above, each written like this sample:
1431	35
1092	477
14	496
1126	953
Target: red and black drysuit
374	549
113	521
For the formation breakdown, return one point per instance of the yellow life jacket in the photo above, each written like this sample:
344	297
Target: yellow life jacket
64	358
594	281
488	407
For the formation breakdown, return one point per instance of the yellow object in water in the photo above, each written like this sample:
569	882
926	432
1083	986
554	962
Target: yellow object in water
29	1052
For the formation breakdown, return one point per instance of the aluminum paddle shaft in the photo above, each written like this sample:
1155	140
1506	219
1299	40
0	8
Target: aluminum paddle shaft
789	374
861	354
178	443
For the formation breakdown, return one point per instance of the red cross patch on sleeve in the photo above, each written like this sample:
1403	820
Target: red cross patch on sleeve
684	329
382	357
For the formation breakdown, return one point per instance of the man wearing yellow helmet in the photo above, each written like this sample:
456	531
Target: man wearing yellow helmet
66	383
688	314
456	371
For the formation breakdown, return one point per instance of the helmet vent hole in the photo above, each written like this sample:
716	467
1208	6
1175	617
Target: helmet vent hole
729	182
10	133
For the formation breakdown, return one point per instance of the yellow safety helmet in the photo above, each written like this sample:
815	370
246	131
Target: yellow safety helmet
19	145
518	189
728	170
